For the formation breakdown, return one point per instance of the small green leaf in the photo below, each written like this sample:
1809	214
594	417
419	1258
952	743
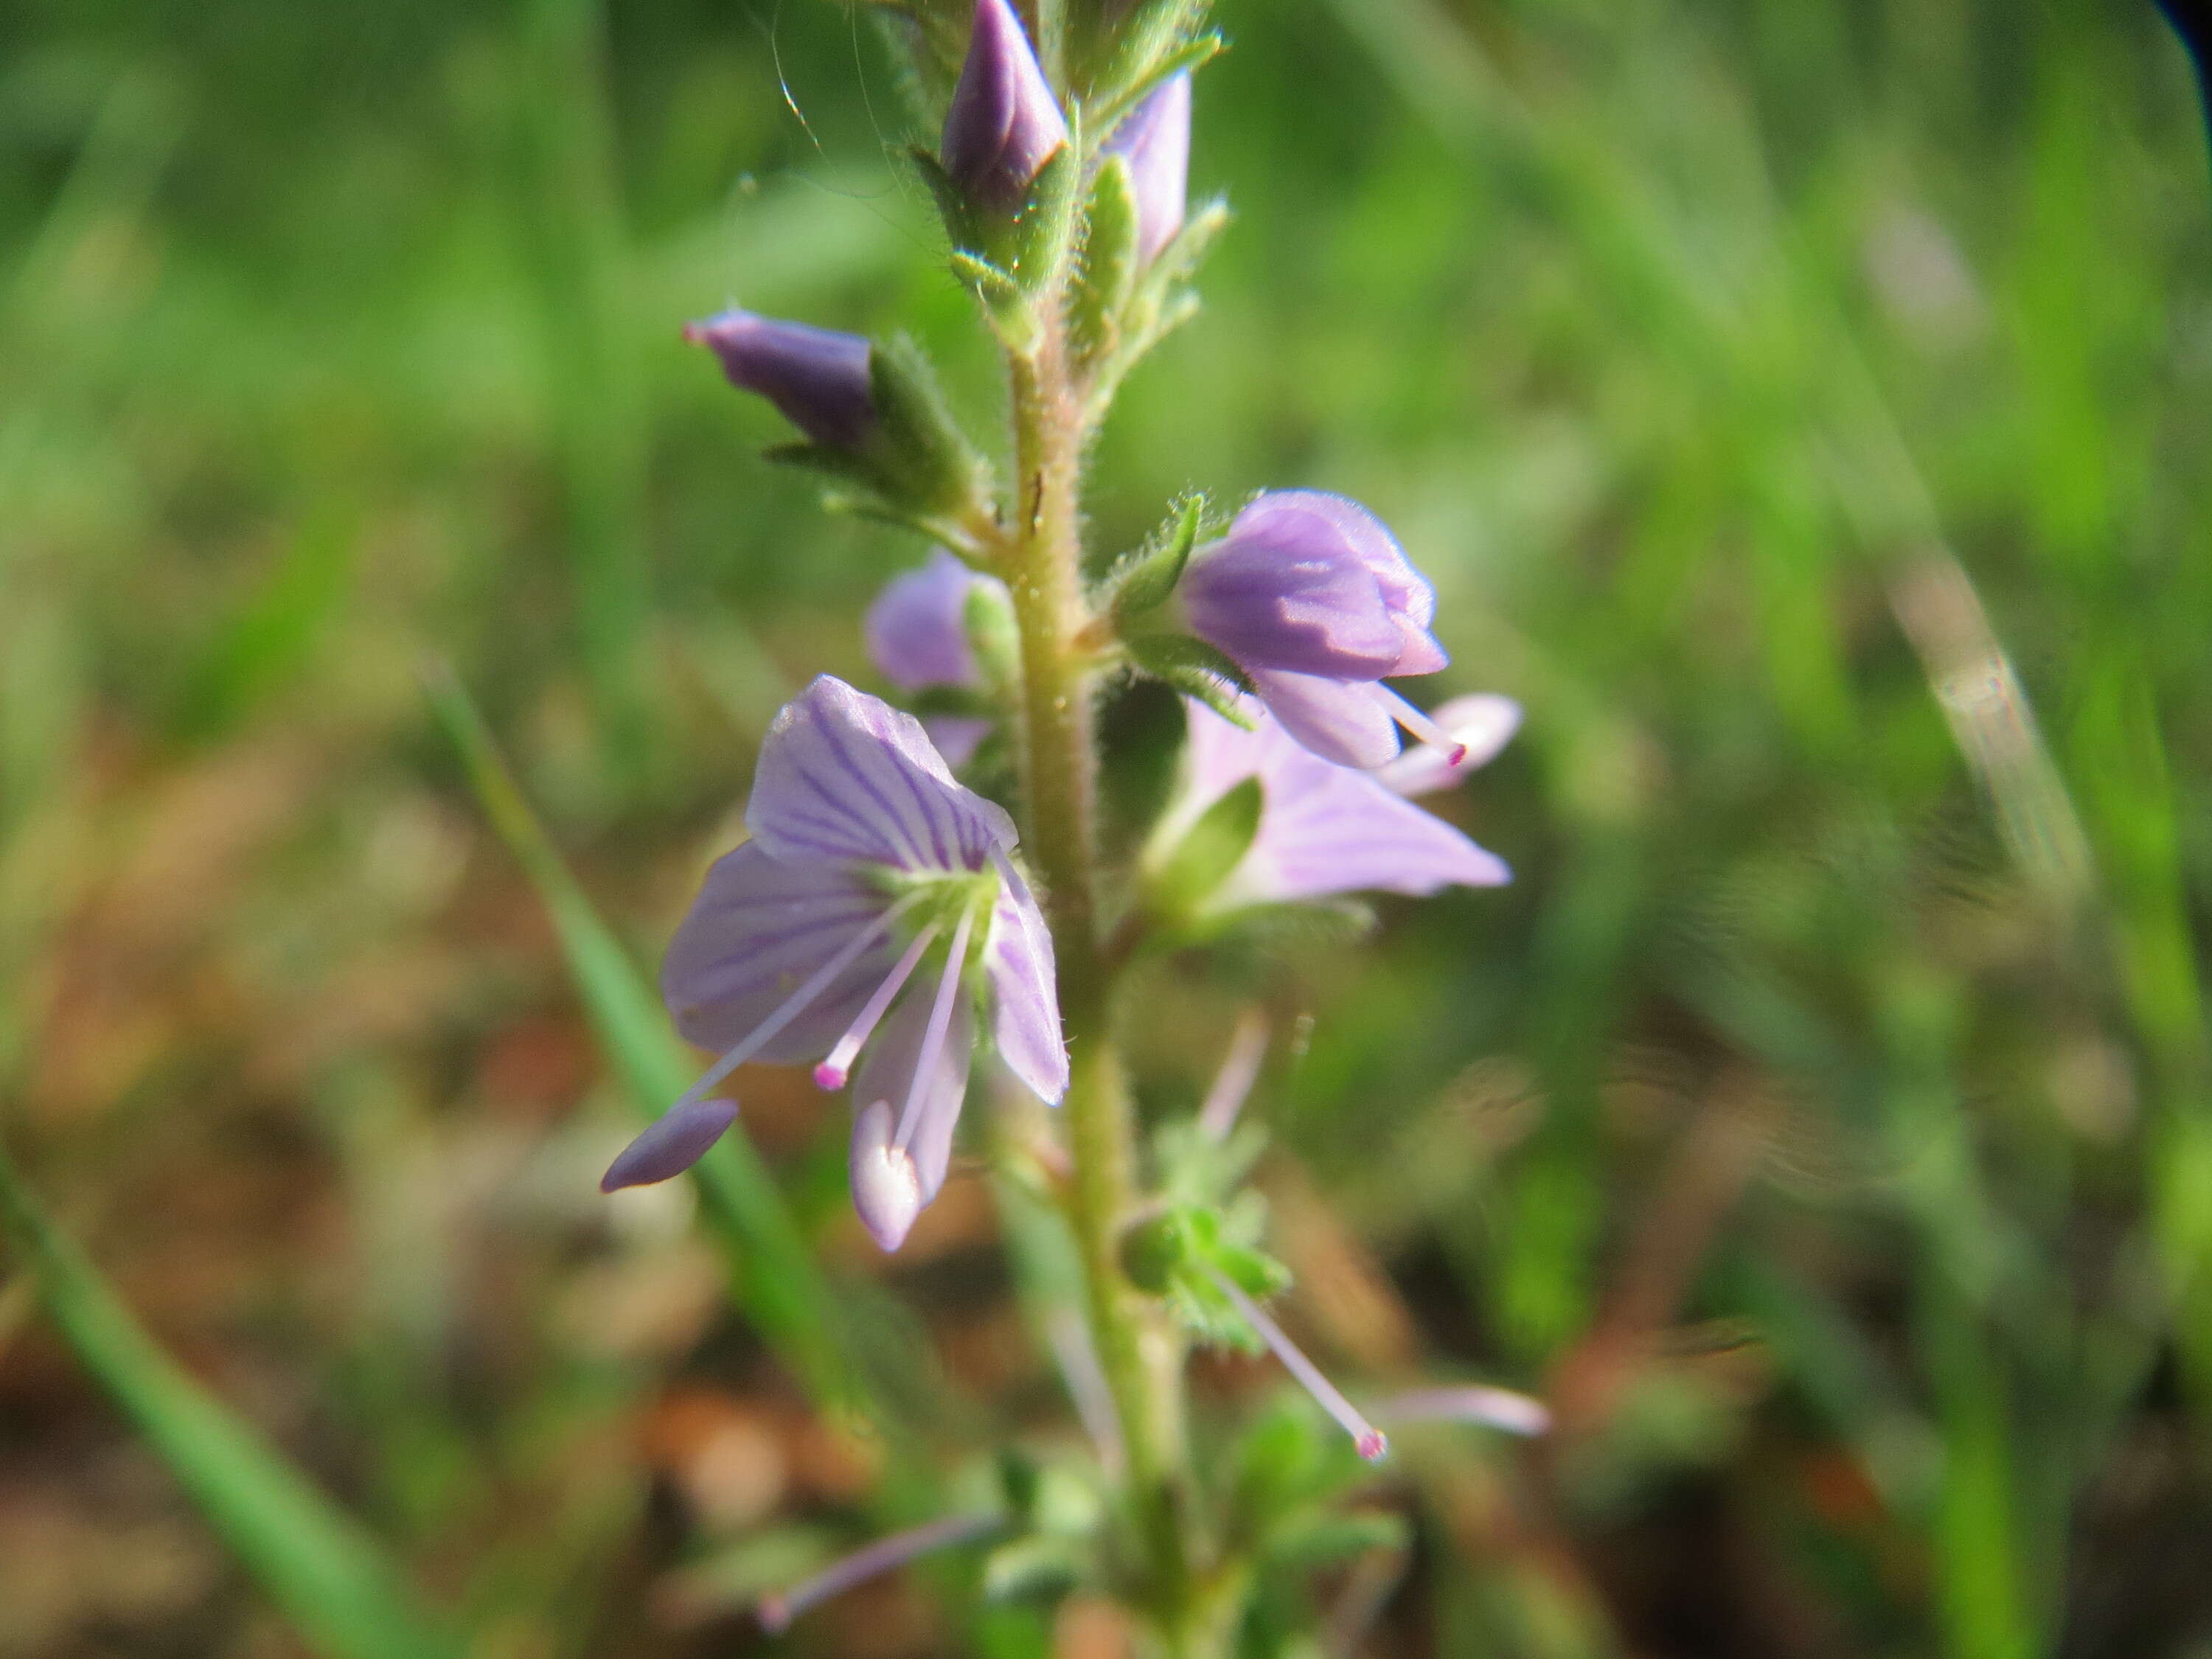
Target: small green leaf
1147	579
1037	1569
994	635
1157	38
952	205
330	1577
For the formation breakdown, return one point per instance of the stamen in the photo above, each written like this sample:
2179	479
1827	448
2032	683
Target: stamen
776	1611
1416	720
1365	1438
799	1001
1240	1069
1497	1409
832	1072
932	1040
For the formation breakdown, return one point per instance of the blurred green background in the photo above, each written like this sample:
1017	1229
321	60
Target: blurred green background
1785	399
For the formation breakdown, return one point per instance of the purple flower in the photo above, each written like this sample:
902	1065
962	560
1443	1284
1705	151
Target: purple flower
1314	598
1478	727
1004	124
819	379
1155	141
866	860
917	630
1324	829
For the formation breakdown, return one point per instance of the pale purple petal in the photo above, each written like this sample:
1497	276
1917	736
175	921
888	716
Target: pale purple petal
917	630
957	736
1285	589
758	930
844	778
887	1072
1485	723
1340	720
672	1146
1324	829
1004	124
1018	960
886	1190
1155	141
1270	604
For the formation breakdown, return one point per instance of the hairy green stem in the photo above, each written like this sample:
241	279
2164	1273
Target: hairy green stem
1141	1357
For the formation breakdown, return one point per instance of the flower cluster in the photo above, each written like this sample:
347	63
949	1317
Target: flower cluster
878	924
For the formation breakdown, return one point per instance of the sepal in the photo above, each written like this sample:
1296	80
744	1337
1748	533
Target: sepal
1014	318
1145	580
1178	887
1195	669
932	464
1106	274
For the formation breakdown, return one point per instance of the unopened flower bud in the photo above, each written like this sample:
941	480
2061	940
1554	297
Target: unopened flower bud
1155	140
821	380
1004	124
917	630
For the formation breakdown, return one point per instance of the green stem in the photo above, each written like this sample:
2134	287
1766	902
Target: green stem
1140	1355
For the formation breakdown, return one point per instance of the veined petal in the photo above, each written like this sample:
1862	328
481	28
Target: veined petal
844	778
1324	829
887	1074
1340	721
758	929
1019	961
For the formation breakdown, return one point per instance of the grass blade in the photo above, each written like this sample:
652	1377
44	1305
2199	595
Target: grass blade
330	1577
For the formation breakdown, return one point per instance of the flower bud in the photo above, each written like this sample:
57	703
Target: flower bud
820	380
1155	140
917	630
1004	124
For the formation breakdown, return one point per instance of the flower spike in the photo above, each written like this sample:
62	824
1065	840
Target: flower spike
1004	124
1366	1438
819	379
1314	598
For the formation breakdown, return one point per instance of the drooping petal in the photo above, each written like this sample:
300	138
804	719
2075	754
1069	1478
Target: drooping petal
1340	721
671	1146
1324	829
759	929
886	1187
1019	961
917	629
1483	723
844	778
887	1074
